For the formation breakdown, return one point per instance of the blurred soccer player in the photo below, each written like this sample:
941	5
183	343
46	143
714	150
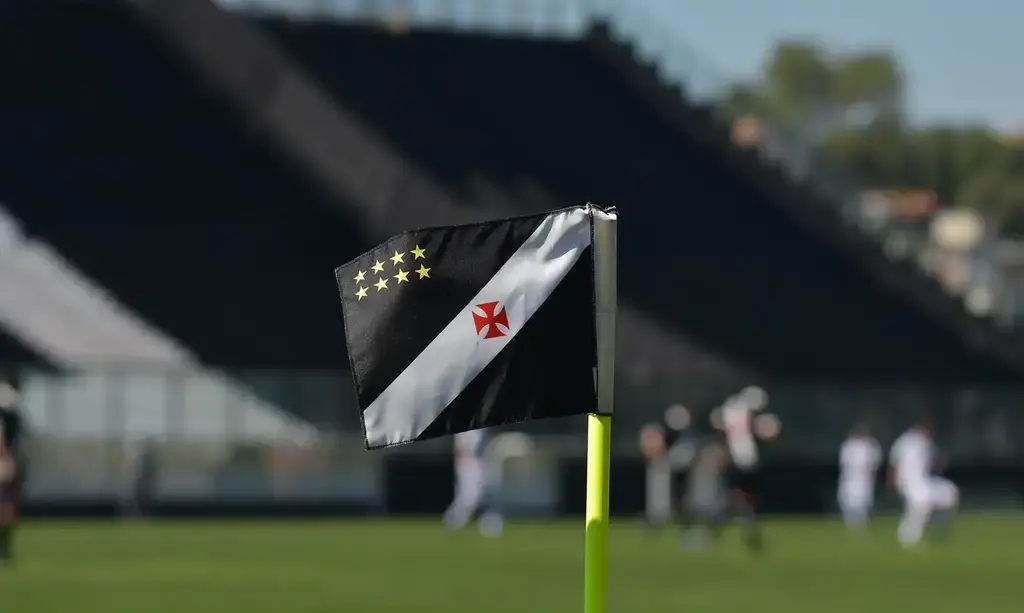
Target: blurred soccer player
140	474
7	476
653	445
859	458
705	503
473	480
912	462
668	447
12	465
744	432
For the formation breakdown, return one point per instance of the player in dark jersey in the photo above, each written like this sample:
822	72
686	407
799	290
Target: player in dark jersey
744	431
12	464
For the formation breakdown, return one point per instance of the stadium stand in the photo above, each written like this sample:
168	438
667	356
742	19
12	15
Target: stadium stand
161	195
388	191
14	351
206	220
818	197
759	287
137	184
71	320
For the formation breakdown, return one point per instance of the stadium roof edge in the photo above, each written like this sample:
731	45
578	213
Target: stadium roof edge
537	18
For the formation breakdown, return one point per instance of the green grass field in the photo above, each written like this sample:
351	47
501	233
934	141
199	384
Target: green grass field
386	567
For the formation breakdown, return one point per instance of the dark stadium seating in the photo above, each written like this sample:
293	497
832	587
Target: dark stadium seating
702	245
13	351
112	152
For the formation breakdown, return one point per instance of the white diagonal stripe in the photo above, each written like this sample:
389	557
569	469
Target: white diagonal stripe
457	355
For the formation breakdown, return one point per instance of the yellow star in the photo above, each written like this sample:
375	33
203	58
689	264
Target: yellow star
361	293
418	253
424	272
397	258
360	276
378	266
402	276
382	283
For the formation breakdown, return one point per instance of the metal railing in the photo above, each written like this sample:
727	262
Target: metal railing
132	405
522	17
134	428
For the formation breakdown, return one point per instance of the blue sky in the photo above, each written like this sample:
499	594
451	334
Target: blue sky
964	60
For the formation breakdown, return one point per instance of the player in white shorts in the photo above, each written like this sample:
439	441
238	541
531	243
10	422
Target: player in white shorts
859	459
924	494
473	480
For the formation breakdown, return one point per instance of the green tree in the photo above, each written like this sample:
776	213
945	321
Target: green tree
997	191
851	108
804	87
869	87
799	83
745	99
881	154
948	156
938	163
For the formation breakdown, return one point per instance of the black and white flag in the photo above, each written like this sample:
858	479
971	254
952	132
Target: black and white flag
462	327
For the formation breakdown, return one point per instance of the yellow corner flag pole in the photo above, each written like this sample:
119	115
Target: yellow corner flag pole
595	573
595	582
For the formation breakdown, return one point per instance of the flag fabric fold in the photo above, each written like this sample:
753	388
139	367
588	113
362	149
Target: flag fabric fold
455	328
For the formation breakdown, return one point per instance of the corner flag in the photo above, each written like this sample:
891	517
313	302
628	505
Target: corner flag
462	327
456	328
